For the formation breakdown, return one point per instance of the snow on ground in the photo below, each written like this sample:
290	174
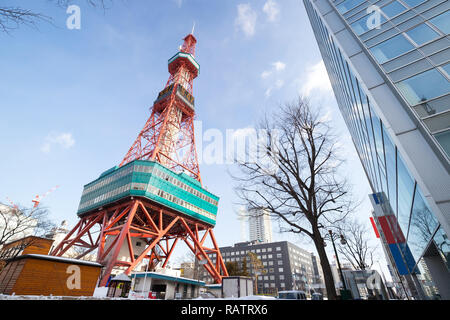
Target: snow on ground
100	297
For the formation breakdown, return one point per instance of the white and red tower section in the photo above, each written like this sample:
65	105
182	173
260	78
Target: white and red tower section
168	135
165	148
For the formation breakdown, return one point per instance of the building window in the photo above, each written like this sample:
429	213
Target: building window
413	3
278	249
348	5
444	140
280	270
424	86
422	226
422	34
393	9
360	26
405	193
391	48
442	21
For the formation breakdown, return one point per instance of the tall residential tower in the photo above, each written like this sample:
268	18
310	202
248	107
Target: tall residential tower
260	226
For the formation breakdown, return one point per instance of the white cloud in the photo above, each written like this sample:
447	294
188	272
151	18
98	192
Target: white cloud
279	66
272	10
64	140
246	19
277	85
276	67
179	3
266	74
316	79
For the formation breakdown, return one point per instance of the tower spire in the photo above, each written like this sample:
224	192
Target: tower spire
168	135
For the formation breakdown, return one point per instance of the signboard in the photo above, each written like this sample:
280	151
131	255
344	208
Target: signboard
392	234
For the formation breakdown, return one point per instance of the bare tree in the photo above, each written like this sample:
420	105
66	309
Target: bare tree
357	251
12	18
18	222
297	179
257	268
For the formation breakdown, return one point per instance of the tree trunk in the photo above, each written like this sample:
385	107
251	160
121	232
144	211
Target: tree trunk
326	269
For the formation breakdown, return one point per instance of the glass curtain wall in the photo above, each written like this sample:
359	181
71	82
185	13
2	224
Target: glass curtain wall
381	160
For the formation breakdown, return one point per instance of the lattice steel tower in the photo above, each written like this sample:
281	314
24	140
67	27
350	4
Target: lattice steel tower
154	198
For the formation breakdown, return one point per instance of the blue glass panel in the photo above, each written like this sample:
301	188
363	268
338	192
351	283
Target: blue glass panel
371	145
391	48
393	9
424	86
444	140
422	34
407	257
348	4
428	285
446	67
443	246
442	21
360	26
391	169
405	194
413	3
422	227
376	124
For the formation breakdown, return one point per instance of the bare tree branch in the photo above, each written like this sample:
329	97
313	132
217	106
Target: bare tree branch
297	181
12	18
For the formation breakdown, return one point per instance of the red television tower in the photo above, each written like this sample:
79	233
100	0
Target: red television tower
162	200
170	129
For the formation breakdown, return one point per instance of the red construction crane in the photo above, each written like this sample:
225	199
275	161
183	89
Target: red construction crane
38	198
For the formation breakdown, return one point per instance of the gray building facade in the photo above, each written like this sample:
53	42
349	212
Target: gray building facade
287	266
388	63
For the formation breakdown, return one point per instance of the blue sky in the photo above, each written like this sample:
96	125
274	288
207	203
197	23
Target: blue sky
73	101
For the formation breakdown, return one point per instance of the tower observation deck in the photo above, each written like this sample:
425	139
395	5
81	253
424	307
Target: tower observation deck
134	214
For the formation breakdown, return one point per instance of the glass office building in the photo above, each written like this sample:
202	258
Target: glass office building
389	66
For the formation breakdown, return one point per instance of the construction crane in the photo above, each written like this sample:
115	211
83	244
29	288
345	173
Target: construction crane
38	198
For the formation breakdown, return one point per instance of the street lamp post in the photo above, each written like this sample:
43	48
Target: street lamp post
343	241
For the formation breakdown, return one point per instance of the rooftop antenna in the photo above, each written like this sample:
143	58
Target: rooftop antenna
193	27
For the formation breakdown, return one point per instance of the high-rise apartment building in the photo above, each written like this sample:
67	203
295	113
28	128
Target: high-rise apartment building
260	226
388	63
